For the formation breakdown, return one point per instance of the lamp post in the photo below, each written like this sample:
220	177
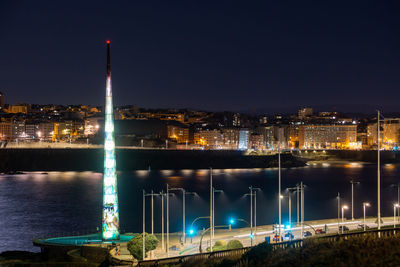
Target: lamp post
253	193
302	208
144	227
167	220
152	194
379	173
213	208
344	207
395	206
297	202
352	198
338	210
184	193
289	190
365	204
279	188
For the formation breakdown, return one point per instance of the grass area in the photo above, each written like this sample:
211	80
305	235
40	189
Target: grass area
367	250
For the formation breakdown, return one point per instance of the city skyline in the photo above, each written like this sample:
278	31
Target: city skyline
210	56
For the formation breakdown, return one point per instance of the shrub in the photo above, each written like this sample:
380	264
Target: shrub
233	244
135	245
258	253
220	243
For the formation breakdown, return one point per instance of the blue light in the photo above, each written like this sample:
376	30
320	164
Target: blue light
288	226
231	221
191	232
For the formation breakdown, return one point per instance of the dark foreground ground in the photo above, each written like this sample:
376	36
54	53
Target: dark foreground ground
355	251
367	250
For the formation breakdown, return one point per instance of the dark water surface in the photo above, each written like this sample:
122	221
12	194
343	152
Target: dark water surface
37	205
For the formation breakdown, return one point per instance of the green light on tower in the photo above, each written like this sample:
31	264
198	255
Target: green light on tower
110	223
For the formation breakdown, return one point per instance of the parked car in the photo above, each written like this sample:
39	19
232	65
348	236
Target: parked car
319	231
307	234
343	228
288	236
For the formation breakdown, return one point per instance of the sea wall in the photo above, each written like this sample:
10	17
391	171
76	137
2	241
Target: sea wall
349	155
12	159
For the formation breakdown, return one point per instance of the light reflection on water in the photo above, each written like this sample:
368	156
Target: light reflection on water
37	204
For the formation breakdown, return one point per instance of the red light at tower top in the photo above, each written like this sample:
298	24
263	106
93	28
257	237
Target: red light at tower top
108	41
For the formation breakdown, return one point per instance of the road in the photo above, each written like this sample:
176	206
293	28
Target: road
261	233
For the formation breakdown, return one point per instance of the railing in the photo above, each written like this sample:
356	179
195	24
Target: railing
281	245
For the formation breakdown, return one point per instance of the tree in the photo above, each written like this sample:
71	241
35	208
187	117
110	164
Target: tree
135	245
233	244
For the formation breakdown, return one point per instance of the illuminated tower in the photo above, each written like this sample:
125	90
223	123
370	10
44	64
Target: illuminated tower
110	224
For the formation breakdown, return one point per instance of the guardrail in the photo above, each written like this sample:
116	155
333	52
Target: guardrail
281	245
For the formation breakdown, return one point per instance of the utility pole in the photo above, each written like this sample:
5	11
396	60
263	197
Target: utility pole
211	205
152	212
144	227
162	220
338	197
167	220
279	189
251	215
290	209
255	213
302	209
379	173
297	202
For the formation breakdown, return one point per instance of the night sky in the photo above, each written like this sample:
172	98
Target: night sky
214	55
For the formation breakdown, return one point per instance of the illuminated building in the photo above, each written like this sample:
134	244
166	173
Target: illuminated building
110	221
209	138
31	130
19	108
18	130
230	137
162	116
1	100
180	134
243	139
305	112
46	130
256	141
328	137
92	125
389	134
5	131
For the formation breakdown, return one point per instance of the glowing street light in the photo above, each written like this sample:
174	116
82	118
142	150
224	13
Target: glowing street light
365	204
344	207
395	206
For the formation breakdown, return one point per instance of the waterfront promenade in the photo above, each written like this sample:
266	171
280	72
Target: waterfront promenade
243	235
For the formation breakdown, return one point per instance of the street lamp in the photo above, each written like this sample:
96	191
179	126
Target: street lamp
290	203
213	208
344	207
251	194
395	206
279	188
184	193
352	198
379	171
365	204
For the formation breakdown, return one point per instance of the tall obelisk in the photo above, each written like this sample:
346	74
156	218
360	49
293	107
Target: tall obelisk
110	224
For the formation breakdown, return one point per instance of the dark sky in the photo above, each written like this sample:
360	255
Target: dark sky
216	55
